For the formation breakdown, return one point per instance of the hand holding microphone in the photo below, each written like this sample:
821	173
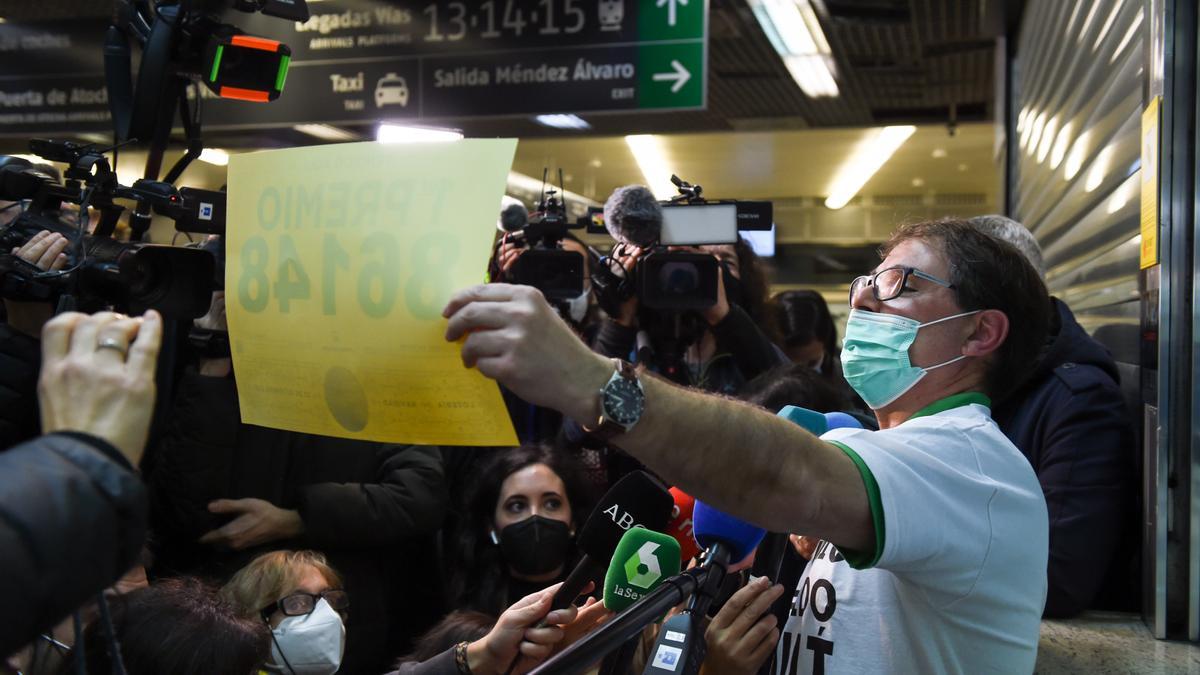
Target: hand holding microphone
743	634
638	500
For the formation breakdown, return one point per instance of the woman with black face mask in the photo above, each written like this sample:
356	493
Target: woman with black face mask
518	530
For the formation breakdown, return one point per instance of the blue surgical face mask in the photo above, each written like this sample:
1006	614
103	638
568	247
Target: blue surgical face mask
875	355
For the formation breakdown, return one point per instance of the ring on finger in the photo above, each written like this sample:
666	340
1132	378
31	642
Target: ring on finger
114	344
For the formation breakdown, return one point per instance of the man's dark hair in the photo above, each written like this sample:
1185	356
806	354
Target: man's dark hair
178	626
463	625
988	273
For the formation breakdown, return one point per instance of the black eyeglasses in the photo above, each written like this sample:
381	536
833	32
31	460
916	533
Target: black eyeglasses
889	283
299	604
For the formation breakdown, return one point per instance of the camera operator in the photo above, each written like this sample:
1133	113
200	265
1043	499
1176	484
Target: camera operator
718	349
723	345
74	511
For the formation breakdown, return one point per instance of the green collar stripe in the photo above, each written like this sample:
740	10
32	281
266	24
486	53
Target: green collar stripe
955	401
861	560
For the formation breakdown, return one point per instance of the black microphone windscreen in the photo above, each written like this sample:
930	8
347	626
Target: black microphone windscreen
514	217
633	215
638	499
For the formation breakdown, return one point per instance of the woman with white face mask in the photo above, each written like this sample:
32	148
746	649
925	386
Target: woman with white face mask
302	600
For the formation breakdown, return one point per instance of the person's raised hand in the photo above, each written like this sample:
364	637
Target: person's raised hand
512	335
45	249
742	635
517	633
98	377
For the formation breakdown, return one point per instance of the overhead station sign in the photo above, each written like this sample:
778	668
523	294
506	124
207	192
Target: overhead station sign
358	61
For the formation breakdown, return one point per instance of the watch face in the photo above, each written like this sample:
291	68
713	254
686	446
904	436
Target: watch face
623	401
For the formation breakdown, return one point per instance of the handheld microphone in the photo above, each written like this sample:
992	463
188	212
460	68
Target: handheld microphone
618	630
724	537
637	500
681	527
681	640
643	559
632	214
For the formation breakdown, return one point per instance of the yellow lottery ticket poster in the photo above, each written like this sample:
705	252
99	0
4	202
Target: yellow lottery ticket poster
340	259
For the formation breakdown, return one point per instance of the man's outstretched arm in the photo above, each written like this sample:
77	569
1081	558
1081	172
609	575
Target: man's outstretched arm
738	458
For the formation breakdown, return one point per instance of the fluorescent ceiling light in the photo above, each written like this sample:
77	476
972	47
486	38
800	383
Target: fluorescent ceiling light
326	132
215	156
563	121
648	152
795	32
395	133
871	154
812	74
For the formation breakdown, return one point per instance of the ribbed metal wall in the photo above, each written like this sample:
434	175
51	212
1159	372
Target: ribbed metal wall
1077	86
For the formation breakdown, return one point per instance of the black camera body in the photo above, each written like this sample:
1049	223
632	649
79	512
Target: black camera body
100	271
667	281
547	266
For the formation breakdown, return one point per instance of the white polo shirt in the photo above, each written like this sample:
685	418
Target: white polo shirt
957	580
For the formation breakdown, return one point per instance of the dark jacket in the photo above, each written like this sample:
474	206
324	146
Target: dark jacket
72	521
373	509
1070	421
20	360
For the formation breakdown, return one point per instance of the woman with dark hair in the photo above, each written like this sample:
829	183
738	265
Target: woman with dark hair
517	535
809	338
807	333
177	626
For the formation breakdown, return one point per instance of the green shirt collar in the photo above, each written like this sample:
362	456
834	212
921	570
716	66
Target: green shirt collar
954	401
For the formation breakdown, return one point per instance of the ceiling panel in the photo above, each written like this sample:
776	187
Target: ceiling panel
776	164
